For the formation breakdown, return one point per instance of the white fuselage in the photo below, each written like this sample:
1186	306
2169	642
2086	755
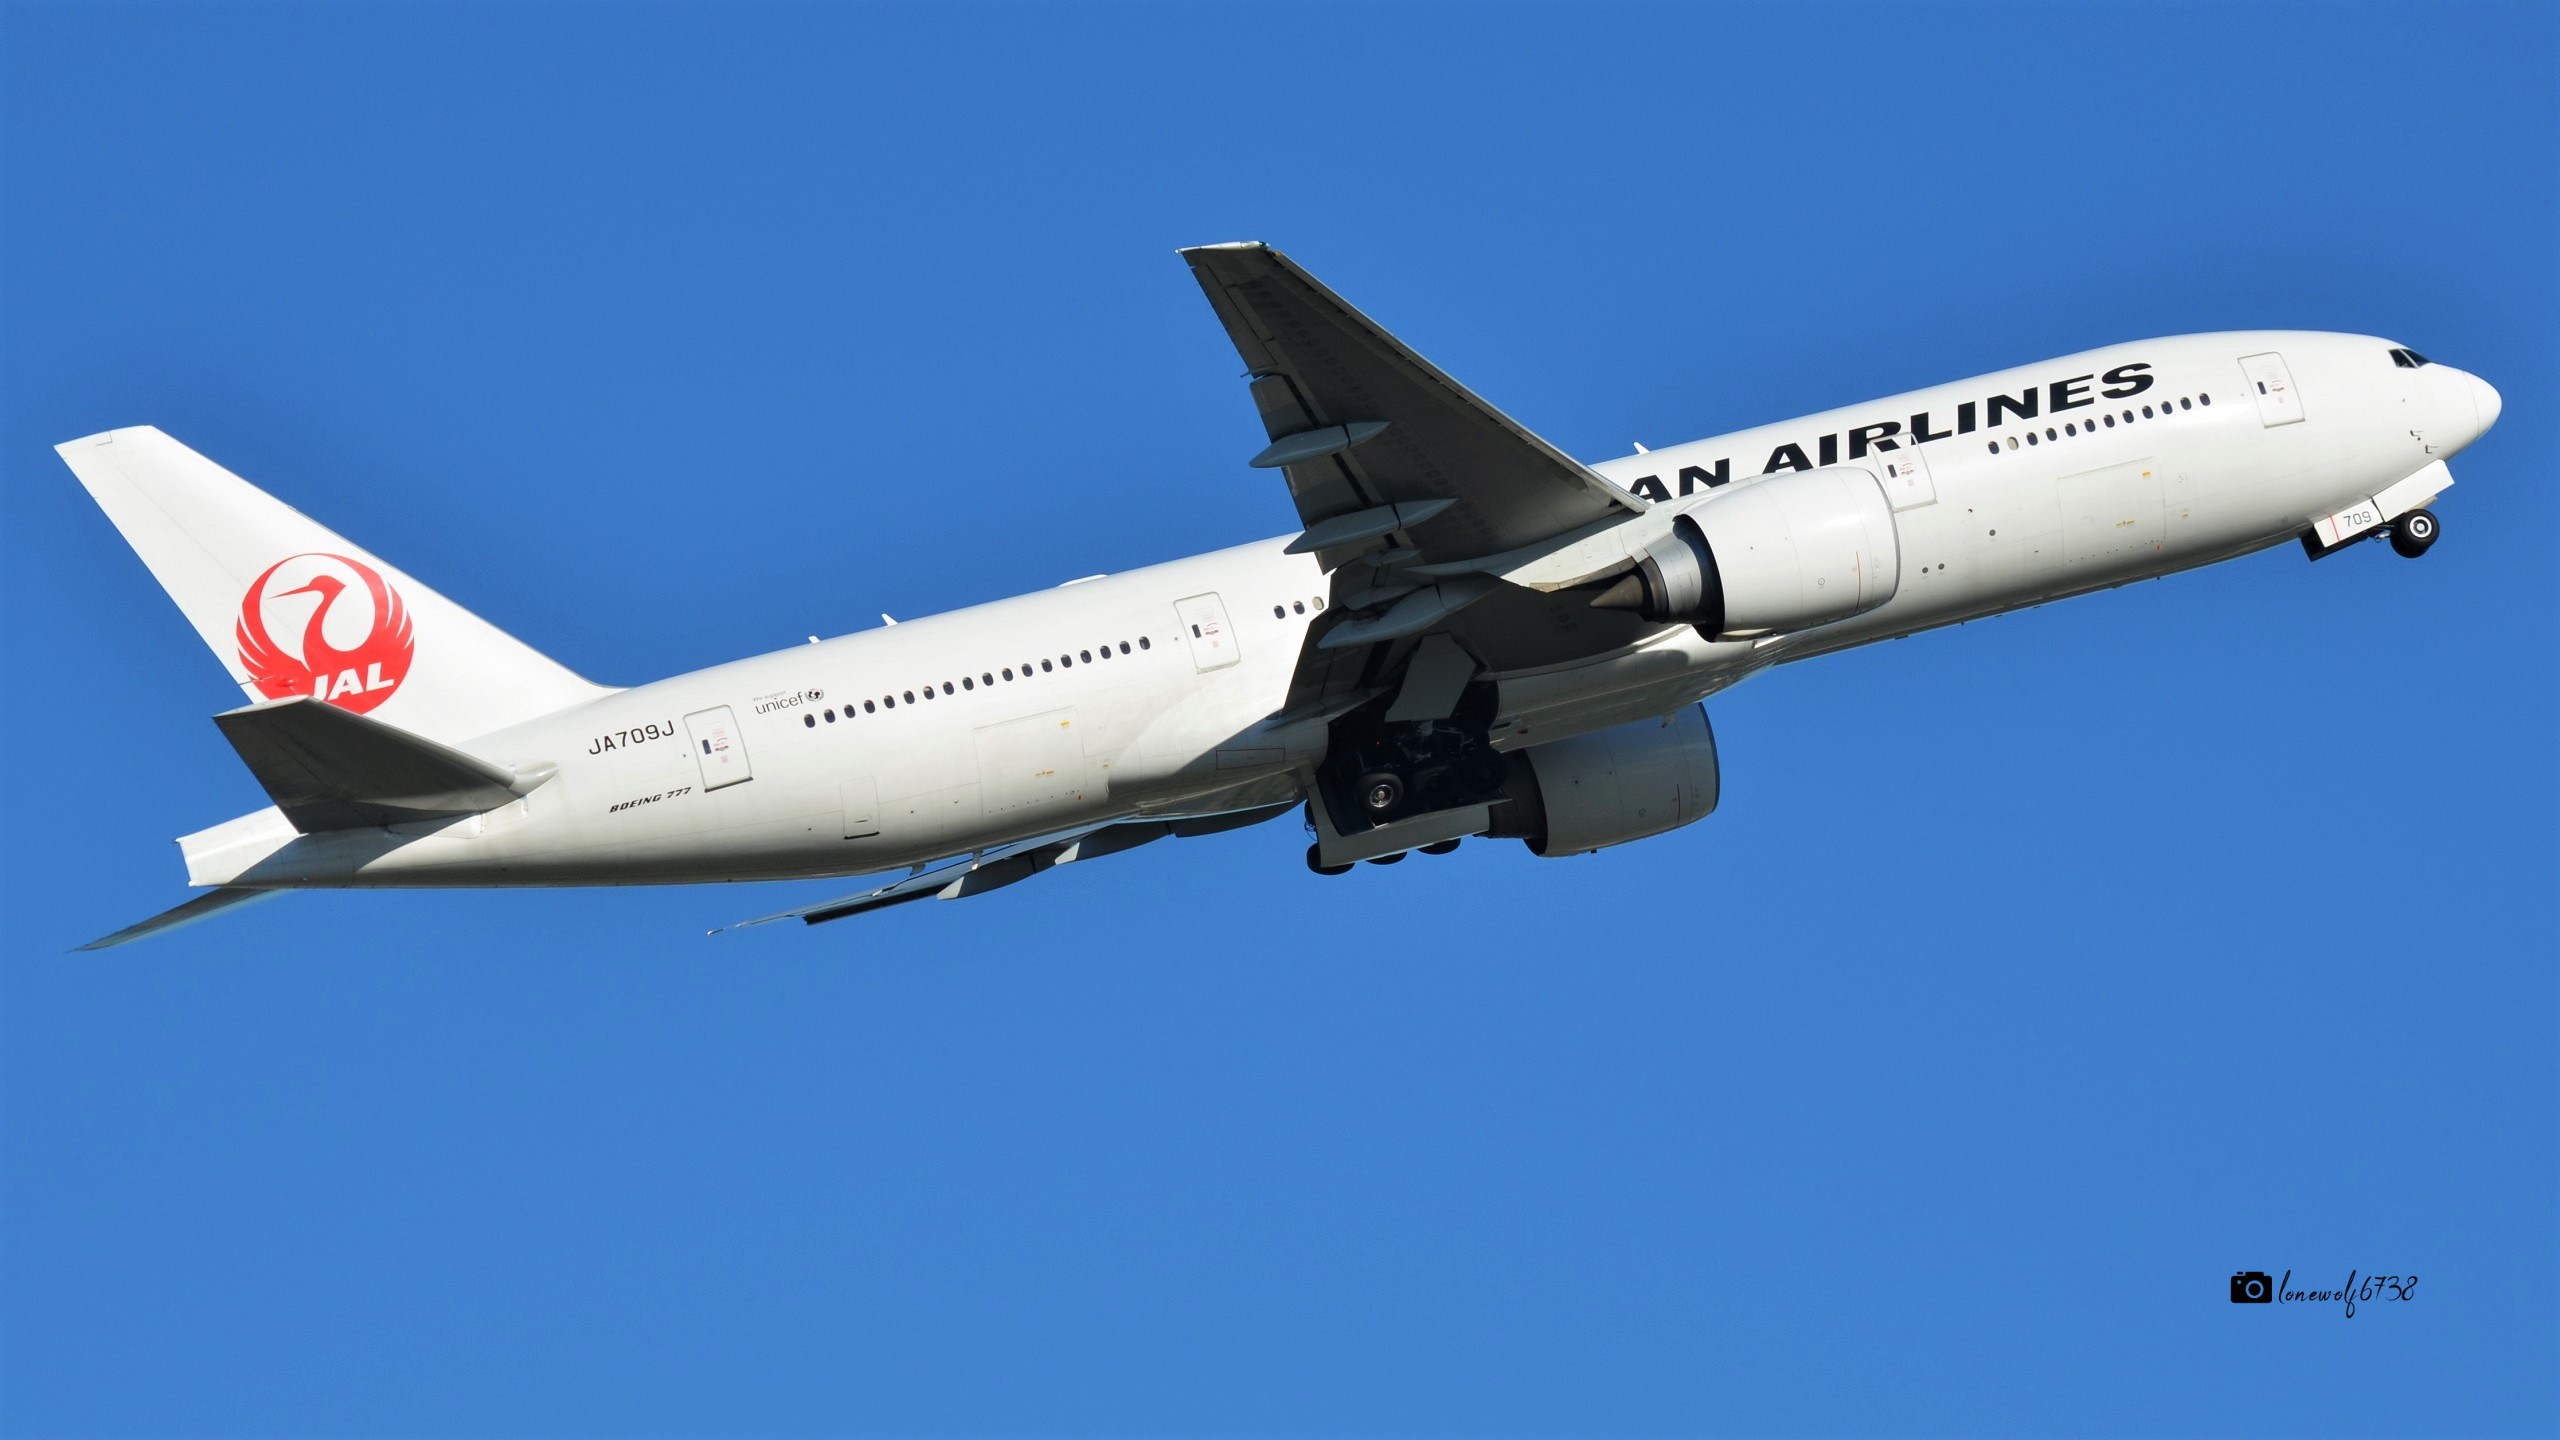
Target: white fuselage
1098	700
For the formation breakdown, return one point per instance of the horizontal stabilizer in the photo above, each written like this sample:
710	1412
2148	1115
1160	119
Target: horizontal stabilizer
332	769
212	902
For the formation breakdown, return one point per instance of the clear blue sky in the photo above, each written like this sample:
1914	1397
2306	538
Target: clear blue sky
2034	977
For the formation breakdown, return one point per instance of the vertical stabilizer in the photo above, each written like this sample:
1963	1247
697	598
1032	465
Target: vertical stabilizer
292	608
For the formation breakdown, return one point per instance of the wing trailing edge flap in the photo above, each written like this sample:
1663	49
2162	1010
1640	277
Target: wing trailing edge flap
1012	864
332	769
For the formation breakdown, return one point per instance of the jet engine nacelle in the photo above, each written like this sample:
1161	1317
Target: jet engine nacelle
1781	553
1568	797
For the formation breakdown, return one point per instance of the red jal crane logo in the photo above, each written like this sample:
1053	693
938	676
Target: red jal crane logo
353	677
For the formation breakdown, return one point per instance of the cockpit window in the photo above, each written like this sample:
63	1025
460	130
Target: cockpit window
2408	359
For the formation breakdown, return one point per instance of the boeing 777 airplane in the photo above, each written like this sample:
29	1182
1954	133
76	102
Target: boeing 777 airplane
1473	634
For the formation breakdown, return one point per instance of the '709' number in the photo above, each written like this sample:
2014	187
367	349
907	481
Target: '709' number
654	730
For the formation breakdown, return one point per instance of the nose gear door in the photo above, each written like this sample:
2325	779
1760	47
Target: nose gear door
717	747
2271	385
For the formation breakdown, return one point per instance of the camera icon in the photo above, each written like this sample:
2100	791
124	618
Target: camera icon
2252	1287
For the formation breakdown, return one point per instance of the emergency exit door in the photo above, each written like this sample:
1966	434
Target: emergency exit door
2271	385
718	747
1204	624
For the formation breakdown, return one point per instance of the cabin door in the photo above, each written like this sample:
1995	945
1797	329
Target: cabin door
1204	624
1906	478
717	747
2271	385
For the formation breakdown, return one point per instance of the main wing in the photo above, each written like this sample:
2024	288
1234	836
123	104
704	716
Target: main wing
1359	422
1409	486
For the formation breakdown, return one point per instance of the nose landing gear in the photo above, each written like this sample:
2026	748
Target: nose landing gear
2413	534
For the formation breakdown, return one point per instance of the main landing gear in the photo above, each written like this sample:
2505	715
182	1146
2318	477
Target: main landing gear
1377	772
2413	534
1316	863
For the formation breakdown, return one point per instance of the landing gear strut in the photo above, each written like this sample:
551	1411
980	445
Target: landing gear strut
2413	534
1378	771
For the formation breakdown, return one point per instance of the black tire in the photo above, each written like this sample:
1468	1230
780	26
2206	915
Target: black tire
1381	791
2414	534
1439	847
1315	862
1387	859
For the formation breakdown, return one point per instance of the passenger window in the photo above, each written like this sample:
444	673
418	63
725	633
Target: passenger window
831	714
2146	412
1085	655
1319	604
2128	417
1298	606
2031	437
2070	429
2185	404
2013	442
1145	644
2204	399
968	684
1279	614
1008	672
911	696
809	720
1195	632
946	687
2111	422
1995	447
868	708
1124	647
2049	435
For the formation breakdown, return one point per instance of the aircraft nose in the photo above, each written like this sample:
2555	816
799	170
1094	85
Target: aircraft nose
2484	399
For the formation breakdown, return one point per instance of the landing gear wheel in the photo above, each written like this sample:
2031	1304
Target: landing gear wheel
1387	859
1315	862
1381	791
2413	534
1439	847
